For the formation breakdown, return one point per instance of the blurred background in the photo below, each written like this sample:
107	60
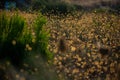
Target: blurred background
61	6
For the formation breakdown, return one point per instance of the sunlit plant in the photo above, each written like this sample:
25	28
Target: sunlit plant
41	37
16	40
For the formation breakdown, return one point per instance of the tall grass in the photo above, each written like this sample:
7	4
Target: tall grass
11	28
41	37
17	41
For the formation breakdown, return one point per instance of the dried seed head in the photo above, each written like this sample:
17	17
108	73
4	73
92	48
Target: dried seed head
62	45
104	50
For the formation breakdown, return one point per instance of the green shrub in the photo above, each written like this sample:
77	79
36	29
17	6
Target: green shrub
59	8
51	6
41	37
10	30
17	41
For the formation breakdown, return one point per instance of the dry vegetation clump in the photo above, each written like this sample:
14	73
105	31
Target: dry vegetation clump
84	58
62	45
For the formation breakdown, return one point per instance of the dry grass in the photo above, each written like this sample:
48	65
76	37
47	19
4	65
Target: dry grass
82	31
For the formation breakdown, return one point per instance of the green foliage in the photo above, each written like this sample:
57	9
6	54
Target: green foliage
42	37
17	41
51	6
10	30
38	4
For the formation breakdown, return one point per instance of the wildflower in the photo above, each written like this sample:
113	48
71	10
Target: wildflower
27	45
33	40
14	42
29	48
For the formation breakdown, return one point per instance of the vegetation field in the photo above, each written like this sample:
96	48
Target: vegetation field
77	41
77	46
